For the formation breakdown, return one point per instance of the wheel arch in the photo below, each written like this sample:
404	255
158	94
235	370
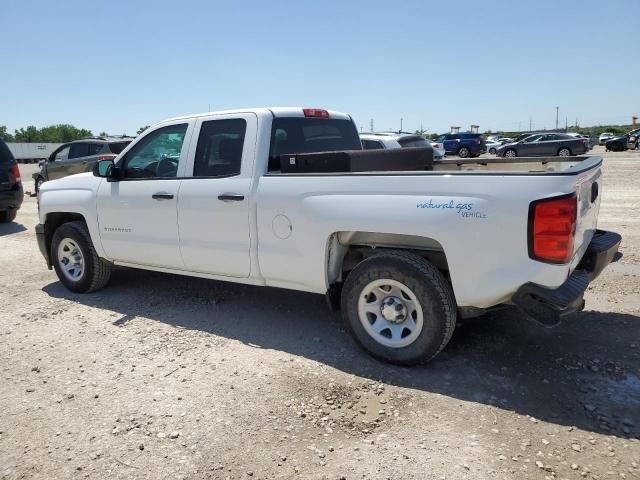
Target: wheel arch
52	221
346	249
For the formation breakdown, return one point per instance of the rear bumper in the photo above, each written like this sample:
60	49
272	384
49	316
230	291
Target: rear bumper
11	199
42	243
547	305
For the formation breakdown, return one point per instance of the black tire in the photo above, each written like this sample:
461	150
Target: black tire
39	182
512	151
96	271
492	151
564	149
430	287
8	216
464	152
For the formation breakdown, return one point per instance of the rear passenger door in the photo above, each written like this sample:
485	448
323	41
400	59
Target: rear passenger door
451	143
215	197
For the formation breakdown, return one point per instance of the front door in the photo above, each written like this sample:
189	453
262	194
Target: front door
214	201
137	215
57	165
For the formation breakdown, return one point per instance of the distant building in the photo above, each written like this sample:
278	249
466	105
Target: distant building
32	152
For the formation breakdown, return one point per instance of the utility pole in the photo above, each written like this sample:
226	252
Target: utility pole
566	124
401	124
557	110
530	124
372	125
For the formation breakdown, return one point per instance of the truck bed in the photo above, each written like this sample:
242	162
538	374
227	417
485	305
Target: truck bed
484	166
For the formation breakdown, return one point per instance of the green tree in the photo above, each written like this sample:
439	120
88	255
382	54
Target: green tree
4	135
142	129
61	133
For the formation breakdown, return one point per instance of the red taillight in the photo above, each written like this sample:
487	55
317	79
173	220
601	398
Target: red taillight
476	141
14	177
106	157
552	225
315	112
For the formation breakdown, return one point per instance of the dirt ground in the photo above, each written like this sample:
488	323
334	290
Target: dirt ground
160	376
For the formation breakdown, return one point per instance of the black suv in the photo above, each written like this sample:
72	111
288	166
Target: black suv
11	193
78	157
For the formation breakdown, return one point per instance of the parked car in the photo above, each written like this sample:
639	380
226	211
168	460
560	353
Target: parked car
11	193
390	249
78	156
504	140
602	139
492	146
617	144
580	135
465	145
545	145
438	150
377	141
634	136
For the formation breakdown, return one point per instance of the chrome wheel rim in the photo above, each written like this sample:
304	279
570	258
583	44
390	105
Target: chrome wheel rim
70	259
510	154
563	152
463	153
390	313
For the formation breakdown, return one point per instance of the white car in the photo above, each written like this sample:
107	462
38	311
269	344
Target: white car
492	146
237	196
602	139
377	141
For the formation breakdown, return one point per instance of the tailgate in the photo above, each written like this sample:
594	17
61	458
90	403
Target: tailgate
588	190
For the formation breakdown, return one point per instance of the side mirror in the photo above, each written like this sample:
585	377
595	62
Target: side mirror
104	169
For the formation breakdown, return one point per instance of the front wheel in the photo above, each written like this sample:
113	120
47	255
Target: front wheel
492	151
39	182
399	307
511	153
75	260
564	152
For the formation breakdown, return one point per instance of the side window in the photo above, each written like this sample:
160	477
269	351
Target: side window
219	150
78	150
157	154
62	155
372	145
95	148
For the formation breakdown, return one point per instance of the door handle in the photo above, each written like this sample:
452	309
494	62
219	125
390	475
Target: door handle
162	196
230	197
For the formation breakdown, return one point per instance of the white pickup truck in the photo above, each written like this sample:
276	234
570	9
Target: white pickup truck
403	254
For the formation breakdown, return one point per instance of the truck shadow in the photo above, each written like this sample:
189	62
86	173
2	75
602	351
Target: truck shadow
10	228
584	373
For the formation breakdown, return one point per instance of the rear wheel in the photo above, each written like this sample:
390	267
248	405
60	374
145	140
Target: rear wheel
399	307
492	151
511	153
75	260
564	152
464	152
8	216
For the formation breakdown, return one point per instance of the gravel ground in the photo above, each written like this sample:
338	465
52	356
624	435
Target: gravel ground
160	376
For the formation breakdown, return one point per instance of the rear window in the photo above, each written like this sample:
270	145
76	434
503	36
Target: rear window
372	145
117	147
5	154
308	135
413	142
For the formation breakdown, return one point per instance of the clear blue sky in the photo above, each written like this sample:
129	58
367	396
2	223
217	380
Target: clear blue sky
117	65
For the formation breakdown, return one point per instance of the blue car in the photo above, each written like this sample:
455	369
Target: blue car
465	145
